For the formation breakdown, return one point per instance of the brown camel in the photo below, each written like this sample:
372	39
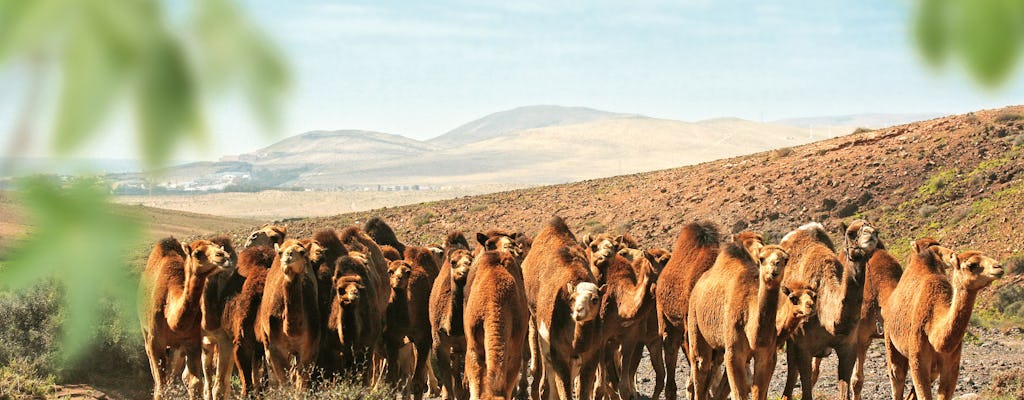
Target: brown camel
627	303
288	322
390	253
382	233
564	301
927	315
423	271
220	288
882	273
267	236
794	310
396	326
694	253
171	291
733	318
648	329
495	320
355	320
840	296
448	340
603	246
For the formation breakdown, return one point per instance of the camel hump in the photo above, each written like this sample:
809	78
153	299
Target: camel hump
806	234
701	233
558	226
169	245
382	233
456	240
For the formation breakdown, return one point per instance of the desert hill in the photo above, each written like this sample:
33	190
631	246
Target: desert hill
959	179
519	119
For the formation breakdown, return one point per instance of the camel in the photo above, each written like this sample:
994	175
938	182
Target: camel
564	301
798	306
218	290
267	236
693	253
397	326
448	340
927	315
627	303
423	272
602	247
840	290
288	322
355	321
495	319
390	253
732	317
648	329
382	233
171	291
881	276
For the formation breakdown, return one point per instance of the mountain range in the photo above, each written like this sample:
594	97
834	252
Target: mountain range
526	145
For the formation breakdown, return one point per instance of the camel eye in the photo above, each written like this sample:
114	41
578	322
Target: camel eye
794	299
593	300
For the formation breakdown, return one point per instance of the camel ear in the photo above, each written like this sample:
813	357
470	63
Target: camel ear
277	248
843	226
188	250
481	238
586	240
602	288
570	288
283	230
786	291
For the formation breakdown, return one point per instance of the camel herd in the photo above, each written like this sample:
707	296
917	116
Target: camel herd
555	317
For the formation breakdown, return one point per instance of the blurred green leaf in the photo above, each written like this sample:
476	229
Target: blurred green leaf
26	25
985	35
167	106
80	240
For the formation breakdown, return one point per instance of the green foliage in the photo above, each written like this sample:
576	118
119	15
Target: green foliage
863	130
986	35
938	182
19	380
1014	265
80	241
423	219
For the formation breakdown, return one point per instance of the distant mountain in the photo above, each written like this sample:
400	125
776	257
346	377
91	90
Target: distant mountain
334	147
524	146
869	120
519	119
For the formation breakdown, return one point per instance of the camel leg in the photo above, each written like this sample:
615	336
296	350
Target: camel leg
157	362
194	371
921	375
627	375
419	378
898	365
764	366
244	363
536	361
949	371
736	370
792	373
858	369
673	342
587	376
441	361
222	386
475	371
702	366
847	355
210	361
816	369
654	348
559	379
803	364
277	363
459	368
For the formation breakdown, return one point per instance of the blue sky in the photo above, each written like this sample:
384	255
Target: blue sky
422	68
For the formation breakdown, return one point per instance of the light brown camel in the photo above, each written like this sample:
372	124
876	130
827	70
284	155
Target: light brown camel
882	273
927	315
495	319
732	318
423	272
564	302
267	236
648	329
288	323
170	294
448	340
840	296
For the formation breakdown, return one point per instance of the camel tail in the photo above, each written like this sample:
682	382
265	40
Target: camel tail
496	334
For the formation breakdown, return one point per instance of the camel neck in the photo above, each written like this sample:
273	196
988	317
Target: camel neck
293	307
951	327
767	307
852	292
185	309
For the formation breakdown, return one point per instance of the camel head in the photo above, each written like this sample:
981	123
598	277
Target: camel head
934	255
268	235
603	247
293	256
861	240
316	250
399	272
976	271
507	243
461	261
585	298
347	289
772	261
206	257
752	242
802	298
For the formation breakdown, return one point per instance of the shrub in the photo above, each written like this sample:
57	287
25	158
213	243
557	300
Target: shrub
1014	265
1008	117
862	130
595	226
423	218
780	153
927	210
1007	384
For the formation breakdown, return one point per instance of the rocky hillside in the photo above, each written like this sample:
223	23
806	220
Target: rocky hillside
959	179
